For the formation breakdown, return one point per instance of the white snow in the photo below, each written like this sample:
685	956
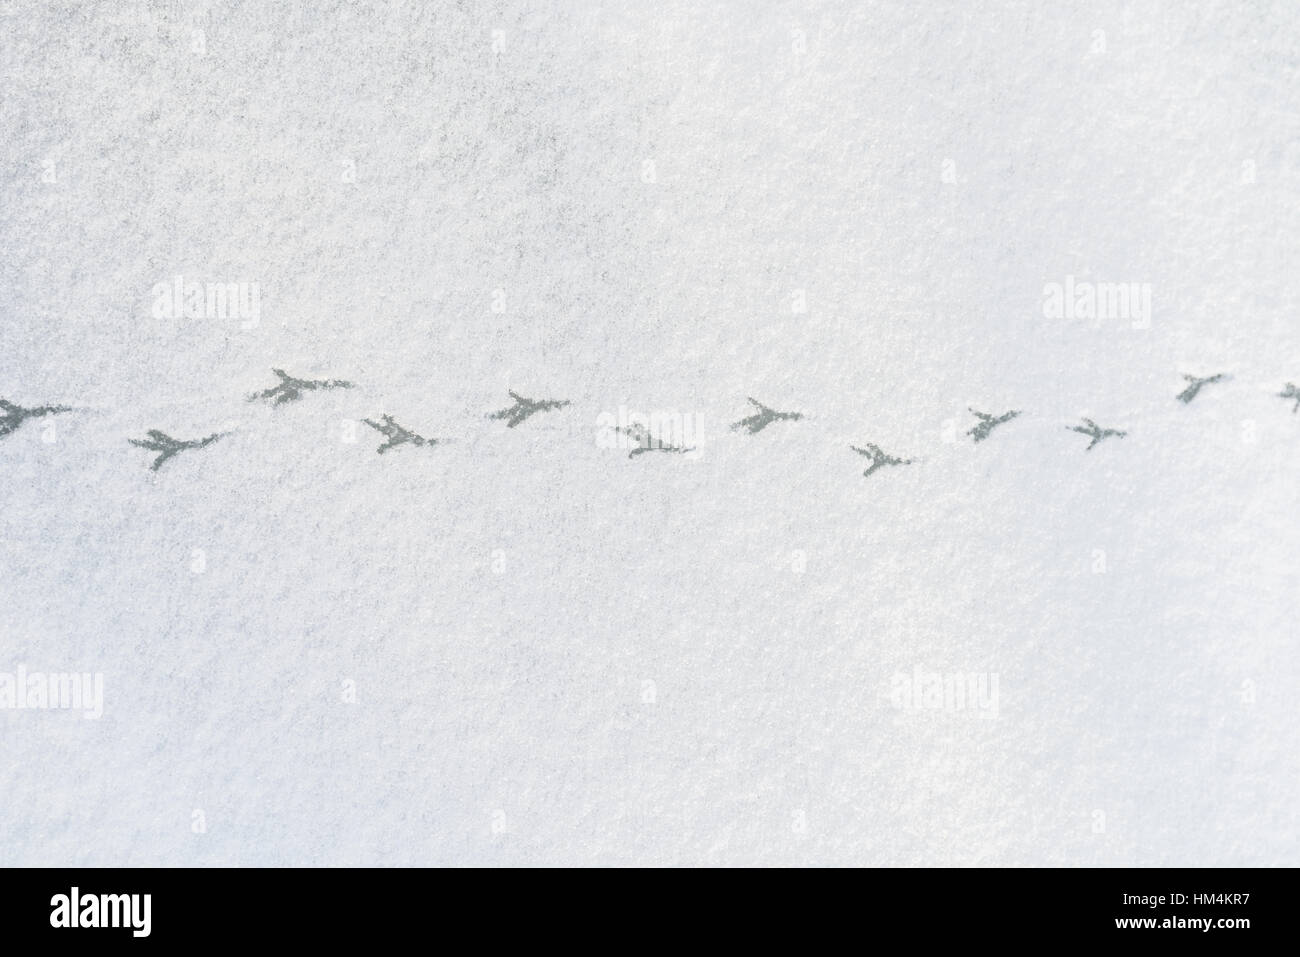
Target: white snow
560	654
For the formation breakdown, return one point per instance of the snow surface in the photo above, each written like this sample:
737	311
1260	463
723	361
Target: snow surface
560	654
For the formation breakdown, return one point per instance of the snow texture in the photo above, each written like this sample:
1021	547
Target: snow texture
519	645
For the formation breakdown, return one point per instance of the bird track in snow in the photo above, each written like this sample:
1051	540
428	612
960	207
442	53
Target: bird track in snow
398	435
879	459
1194	386
523	408
166	446
15	415
291	388
648	443
1097	432
989	422
763	418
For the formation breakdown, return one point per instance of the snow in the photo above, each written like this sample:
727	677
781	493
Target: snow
521	647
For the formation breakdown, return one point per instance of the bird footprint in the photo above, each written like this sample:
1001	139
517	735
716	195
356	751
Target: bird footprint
1097	432
397	435
879	459
166	446
989	422
291	389
523	408
15	415
763	418
1194	386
